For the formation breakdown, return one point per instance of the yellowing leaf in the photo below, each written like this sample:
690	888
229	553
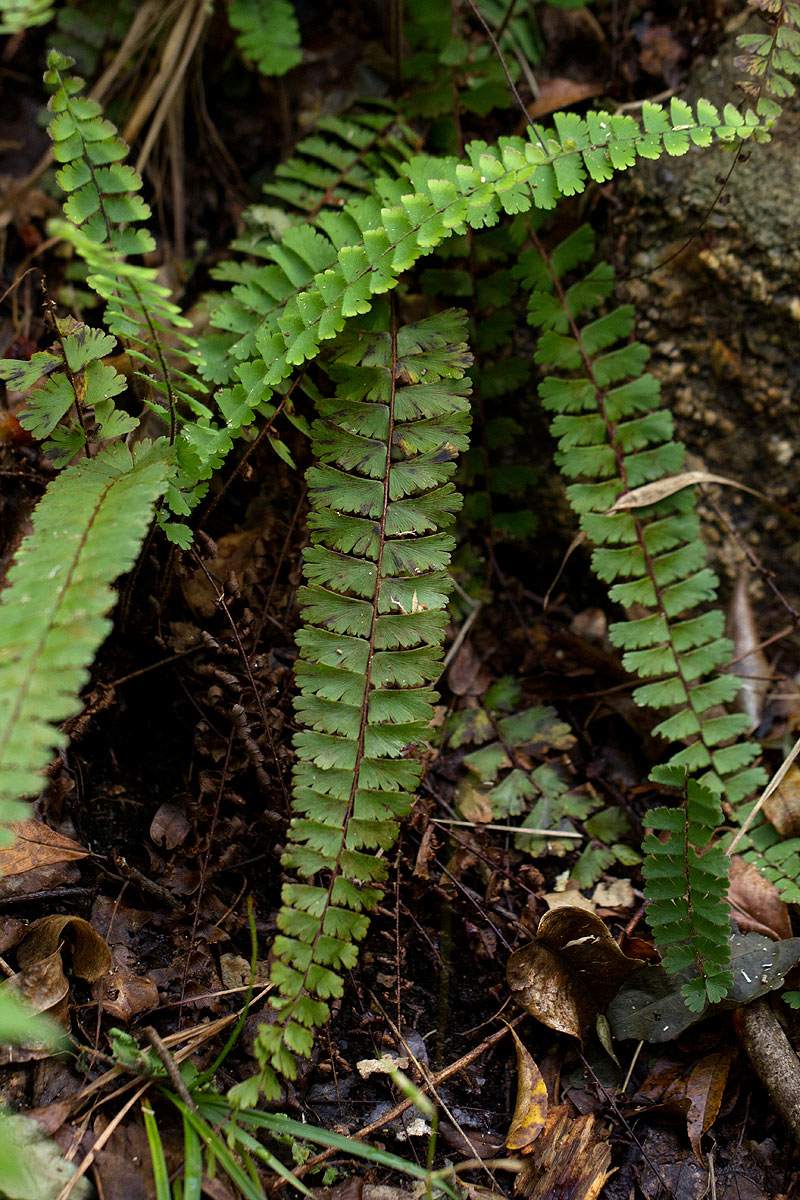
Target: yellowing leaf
530	1112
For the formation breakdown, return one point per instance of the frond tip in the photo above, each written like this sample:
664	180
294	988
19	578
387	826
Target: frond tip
374	613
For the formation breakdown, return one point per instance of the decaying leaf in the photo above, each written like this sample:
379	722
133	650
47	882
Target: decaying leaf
705	1087
90	955
570	1159
750	661
570	971
37	845
692	1092
651	493
756	903
650	1007
782	808
530	1111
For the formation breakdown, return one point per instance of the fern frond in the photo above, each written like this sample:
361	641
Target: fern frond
267	34
87	530
321	277
71	375
374	611
686	887
18	15
613	436
771	58
103	214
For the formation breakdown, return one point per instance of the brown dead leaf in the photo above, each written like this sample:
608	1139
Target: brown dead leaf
91	957
651	493
704	1088
570	1159
124	992
560	92
782	808
42	982
170	826
750	662
466	676
37	845
543	984
473	803
583	939
530	1111
757	906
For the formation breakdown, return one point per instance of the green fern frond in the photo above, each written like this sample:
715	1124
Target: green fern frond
374	611
324	275
18	15
87	530
613	436
71	376
686	889
104	215
267	34
777	858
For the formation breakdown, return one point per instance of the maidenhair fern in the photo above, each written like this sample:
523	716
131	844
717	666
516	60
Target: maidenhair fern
374	612
613	435
76	391
267	34
86	531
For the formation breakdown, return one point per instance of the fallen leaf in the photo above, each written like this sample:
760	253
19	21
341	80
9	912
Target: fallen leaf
651	493
750	662
649	1006
170	826
617	894
704	1088
465	676
569	972
41	983
756	903
543	984
570	1159
782	808
568	899
37	845
667	1162
91	957
560	92
473	802
530	1111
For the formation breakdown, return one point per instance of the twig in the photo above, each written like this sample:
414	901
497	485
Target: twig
399	1109
775	1061
168	1063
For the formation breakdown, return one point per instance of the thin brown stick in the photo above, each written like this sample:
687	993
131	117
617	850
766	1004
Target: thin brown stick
168	1063
399	1109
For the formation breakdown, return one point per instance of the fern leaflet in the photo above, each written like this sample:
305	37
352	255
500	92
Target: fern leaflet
374	611
267	34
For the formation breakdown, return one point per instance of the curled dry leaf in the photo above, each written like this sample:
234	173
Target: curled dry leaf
530	1111
756	904
123	993
572	969
91	957
693	1093
651	493
37	845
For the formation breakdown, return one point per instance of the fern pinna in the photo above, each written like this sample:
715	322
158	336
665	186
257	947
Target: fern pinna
374	612
613	436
